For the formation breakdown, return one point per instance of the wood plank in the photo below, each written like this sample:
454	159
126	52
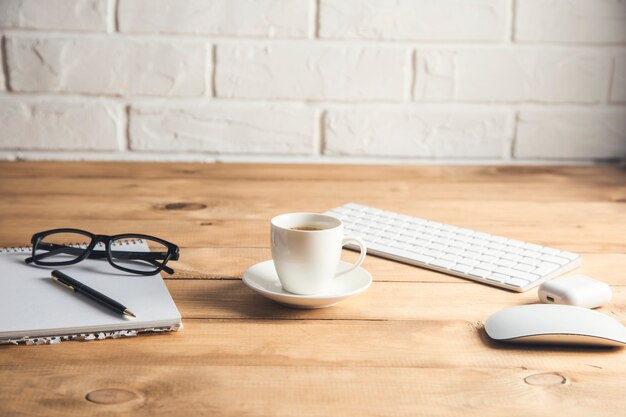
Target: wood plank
194	189
574	175
61	391
323	343
232	262
382	301
589	227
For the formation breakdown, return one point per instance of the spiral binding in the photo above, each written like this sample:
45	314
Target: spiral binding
27	249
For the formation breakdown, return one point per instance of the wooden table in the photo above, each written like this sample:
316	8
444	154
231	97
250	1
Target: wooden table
412	345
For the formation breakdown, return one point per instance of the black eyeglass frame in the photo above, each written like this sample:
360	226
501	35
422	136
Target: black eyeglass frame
89	252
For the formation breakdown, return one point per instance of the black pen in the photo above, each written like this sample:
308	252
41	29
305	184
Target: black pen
80	288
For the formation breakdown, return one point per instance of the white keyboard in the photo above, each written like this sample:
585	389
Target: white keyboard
493	260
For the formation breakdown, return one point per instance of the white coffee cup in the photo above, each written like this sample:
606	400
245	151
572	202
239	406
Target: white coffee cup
306	261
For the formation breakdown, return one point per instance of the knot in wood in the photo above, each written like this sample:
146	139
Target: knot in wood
111	396
545	379
183	206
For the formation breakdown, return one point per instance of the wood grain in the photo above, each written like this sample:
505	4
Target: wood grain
203	389
411	345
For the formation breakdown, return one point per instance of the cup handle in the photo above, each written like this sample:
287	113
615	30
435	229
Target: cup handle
358	263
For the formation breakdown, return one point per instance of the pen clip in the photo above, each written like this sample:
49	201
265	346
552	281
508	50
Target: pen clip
63	284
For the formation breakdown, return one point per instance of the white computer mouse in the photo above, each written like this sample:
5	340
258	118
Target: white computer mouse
555	324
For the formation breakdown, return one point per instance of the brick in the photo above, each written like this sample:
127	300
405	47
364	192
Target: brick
417	133
618	86
571	21
110	66
584	134
415	19
40	125
222	128
531	75
262	18
55	14
314	72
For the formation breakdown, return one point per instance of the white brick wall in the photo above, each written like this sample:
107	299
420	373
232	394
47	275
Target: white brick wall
428	20
262	18
571	134
222	128
29	124
312	72
420	133
55	14
119	67
313	80
514	75
571	21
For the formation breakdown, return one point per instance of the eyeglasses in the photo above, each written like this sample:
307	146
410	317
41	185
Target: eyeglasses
135	253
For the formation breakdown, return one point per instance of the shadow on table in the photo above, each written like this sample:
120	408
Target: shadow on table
232	299
537	347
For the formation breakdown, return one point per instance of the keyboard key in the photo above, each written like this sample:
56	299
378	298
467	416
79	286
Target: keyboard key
459	244
550	251
524	267
400	245
404	238
487	258
532	247
471	254
437	246
511	257
517	274
442	263
487	266
453	250
423	258
474	248
517	282
451	257
531	254
480	273
513	249
440	241
417	249
464	269
530	261
504	262
546	268
433	253
370	238
468	261
569	255
495	277
554	259
492	252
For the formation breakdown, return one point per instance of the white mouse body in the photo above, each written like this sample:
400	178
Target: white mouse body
556	324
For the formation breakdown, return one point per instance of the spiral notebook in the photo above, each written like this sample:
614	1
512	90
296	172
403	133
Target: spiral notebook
35	310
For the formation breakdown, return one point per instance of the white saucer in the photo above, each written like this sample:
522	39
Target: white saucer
263	279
